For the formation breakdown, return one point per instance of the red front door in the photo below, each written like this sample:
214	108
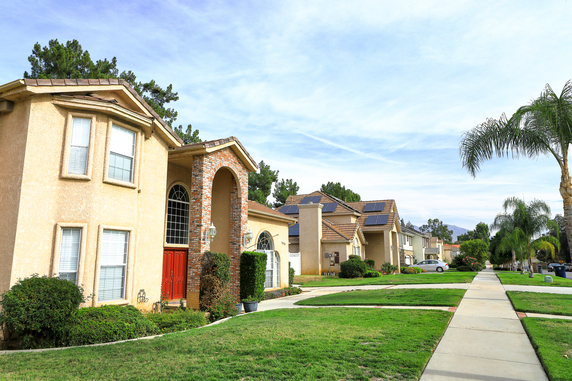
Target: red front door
174	273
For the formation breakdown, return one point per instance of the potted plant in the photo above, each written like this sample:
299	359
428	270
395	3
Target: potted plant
239	308
250	304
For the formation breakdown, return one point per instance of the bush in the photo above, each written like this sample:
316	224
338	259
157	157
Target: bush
215	275
37	311
291	274
370	264
104	324
252	275
372	274
292	291
418	270
388	268
353	268
472	263
223	307
178	320
287	291
408	270
464	268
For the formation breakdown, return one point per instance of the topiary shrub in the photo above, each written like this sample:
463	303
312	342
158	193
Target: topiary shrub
252	275
372	274
36	311
370	264
105	324
353	268
178	320
291	274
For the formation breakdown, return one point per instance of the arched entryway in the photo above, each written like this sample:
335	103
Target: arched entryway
223	183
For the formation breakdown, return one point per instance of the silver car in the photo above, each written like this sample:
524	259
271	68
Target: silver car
432	265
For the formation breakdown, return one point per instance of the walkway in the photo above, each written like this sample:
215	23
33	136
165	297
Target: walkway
485	339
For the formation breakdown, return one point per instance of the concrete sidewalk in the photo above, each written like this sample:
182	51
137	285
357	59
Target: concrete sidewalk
485	339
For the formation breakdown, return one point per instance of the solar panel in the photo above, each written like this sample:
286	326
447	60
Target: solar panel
376	220
284	209
311	199
329	207
289	209
294	230
379	206
382	219
371	220
374	207
369	207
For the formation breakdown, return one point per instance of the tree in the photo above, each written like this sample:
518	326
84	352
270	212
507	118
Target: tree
498	256
544	127
523	222
284	189
340	191
560	233
406	225
70	61
481	231
545	247
189	136
476	248
438	229
260	183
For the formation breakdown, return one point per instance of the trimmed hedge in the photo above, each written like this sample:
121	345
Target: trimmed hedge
178	320
252	275
104	324
291	274
408	270
215	296
372	274
353	268
37	311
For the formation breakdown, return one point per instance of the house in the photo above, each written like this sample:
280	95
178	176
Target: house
329	230
416	244
96	188
450	252
435	249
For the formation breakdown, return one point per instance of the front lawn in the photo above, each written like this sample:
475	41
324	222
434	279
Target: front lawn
423	278
403	297
293	344
552	338
541	303
507	277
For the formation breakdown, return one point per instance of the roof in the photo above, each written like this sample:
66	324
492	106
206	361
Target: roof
213	145
256	208
341	208
78	86
412	231
392	219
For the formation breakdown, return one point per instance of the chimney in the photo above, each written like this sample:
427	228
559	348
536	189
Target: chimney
310	220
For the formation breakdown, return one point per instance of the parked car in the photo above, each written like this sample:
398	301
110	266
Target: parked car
432	265
551	266
568	266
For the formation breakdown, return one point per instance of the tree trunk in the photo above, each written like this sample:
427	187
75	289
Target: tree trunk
513	263
566	193
530	271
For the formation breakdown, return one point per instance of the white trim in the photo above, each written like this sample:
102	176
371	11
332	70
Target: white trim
67	147
136	155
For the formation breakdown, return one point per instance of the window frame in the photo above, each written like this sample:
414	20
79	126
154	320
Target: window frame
82	249
128	282
136	155
167	216
67	146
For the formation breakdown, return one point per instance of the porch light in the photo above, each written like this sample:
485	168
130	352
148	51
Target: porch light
248	236
210	234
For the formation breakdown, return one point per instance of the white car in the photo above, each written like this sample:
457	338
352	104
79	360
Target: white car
432	265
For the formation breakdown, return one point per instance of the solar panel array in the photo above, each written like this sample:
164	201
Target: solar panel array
380	219
289	209
329	207
294	230
374	207
311	199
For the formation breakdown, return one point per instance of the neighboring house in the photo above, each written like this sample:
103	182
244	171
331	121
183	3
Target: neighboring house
435	249
329	230
419	243
450	252
406	254
96	188
270	235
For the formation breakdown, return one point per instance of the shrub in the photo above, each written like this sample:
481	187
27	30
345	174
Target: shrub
471	263
104	324
252	275
372	274
388	268
291	274
370	264
215	276
178	320
37	311
353	268
408	270
292	291
223	307
287	291
418	270
464	268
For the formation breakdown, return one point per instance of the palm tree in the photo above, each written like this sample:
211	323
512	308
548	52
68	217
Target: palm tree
544	127
523	222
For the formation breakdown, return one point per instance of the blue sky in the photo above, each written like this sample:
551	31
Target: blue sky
373	94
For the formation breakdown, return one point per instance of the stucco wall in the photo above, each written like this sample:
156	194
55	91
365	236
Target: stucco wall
342	219
375	248
310	221
344	249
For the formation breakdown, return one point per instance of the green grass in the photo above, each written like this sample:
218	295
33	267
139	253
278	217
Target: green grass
542	303
294	344
403	297
424	278
507	277
552	340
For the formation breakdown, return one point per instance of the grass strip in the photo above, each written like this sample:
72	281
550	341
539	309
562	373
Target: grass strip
424	278
541	303
408	297
552	340
507	277
299	344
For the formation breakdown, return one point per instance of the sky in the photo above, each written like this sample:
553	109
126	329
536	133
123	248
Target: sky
372	94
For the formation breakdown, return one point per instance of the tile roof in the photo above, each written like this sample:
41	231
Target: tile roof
392	218
325	198
219	142
337	232
255	206
99	82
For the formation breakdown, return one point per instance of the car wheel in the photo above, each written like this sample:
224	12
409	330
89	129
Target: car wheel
439	269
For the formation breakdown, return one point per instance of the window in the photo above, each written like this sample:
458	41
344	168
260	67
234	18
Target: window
178	216
121	154
69	253
79	146
265	245
356	247
114	248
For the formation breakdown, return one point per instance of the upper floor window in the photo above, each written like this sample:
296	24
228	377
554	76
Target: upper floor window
79	146
178	216
121	154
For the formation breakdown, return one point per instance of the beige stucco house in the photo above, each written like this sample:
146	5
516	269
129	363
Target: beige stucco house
329	230
96	188
416	245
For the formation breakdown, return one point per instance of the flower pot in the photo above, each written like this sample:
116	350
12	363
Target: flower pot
239	308
250	306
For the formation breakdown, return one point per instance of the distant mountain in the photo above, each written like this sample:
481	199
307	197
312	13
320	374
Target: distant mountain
456	230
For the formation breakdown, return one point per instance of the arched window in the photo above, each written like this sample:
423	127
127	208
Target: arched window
356	247
178	216
264	245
